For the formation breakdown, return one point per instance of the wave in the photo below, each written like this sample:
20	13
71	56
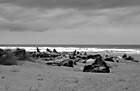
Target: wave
71	49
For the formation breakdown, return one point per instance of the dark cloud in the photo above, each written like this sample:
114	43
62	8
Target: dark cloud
43	15
40	23
80	4
12	26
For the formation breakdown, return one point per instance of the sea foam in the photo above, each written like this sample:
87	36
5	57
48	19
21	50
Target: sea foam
71	49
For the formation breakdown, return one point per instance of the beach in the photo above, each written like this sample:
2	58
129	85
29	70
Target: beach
69	45
37	76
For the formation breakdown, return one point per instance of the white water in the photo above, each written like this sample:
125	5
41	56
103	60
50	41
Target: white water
71	49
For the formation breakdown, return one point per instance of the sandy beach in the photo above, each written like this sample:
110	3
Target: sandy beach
69	45
37	76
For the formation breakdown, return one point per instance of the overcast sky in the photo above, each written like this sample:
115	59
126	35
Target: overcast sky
70	21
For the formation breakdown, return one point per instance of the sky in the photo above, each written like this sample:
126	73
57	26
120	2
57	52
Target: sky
70	22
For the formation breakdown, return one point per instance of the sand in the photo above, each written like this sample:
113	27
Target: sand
29	76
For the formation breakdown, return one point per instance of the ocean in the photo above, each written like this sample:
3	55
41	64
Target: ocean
70	48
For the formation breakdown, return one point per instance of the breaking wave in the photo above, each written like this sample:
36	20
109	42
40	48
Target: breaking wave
71	49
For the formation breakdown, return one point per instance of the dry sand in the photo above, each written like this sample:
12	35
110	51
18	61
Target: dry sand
124	76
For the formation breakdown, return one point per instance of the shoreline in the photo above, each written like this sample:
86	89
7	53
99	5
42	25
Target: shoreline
71	49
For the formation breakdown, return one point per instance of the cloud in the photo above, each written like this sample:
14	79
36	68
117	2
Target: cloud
44	15
80	4
14	18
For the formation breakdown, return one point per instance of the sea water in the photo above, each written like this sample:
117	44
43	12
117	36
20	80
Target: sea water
80	48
